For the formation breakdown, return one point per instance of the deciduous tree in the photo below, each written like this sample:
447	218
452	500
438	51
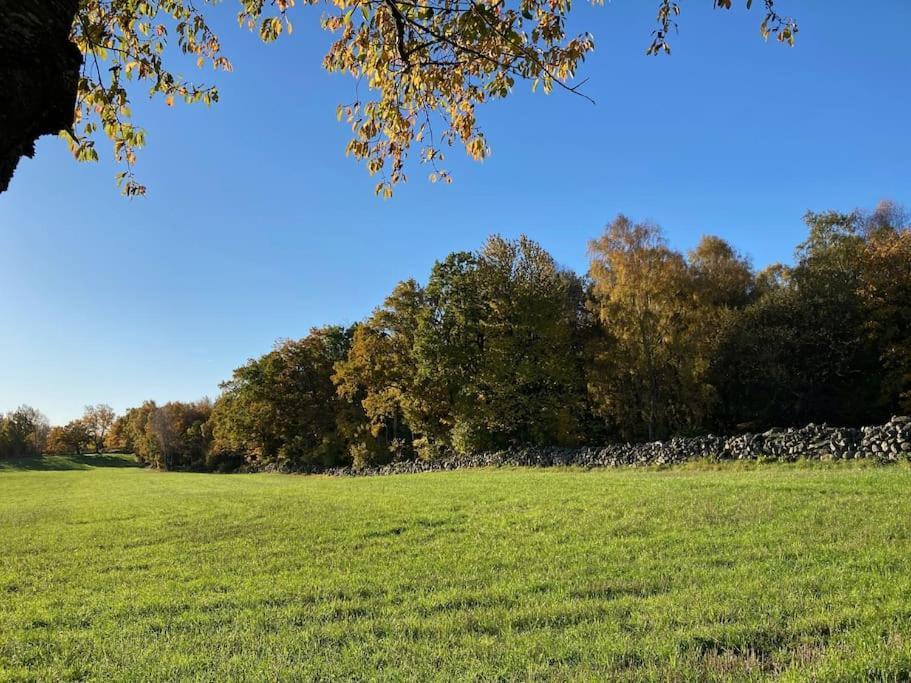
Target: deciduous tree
68	439
23	432
497	359
644	298
283	407
428	66
98	420
379	374
885	291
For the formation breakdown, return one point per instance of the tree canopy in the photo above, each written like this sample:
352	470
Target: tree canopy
23	432
503	348
427	65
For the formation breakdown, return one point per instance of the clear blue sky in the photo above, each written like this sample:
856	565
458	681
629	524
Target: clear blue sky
257	227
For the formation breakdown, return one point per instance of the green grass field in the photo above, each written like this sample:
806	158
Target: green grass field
115	572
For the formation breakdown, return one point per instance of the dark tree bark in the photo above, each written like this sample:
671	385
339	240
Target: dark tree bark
39	72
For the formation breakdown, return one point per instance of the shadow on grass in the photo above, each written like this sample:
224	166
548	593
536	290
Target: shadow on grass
59	463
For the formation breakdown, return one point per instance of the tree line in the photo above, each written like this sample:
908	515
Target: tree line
26	431
502	347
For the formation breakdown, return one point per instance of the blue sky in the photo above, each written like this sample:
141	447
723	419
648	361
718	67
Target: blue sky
257	227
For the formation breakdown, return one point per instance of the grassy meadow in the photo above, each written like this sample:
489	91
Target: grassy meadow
113	572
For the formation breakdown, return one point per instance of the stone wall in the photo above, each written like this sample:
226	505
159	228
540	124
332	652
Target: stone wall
885	443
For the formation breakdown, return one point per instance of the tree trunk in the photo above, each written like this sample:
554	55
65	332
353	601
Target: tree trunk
652	405
39	72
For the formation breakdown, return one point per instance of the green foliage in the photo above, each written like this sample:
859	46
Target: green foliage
283	407
23	432
175	435
496	350
790	572
809	348
502	348
379	374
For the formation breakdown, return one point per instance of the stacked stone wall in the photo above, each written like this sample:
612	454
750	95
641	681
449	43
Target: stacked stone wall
886	443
